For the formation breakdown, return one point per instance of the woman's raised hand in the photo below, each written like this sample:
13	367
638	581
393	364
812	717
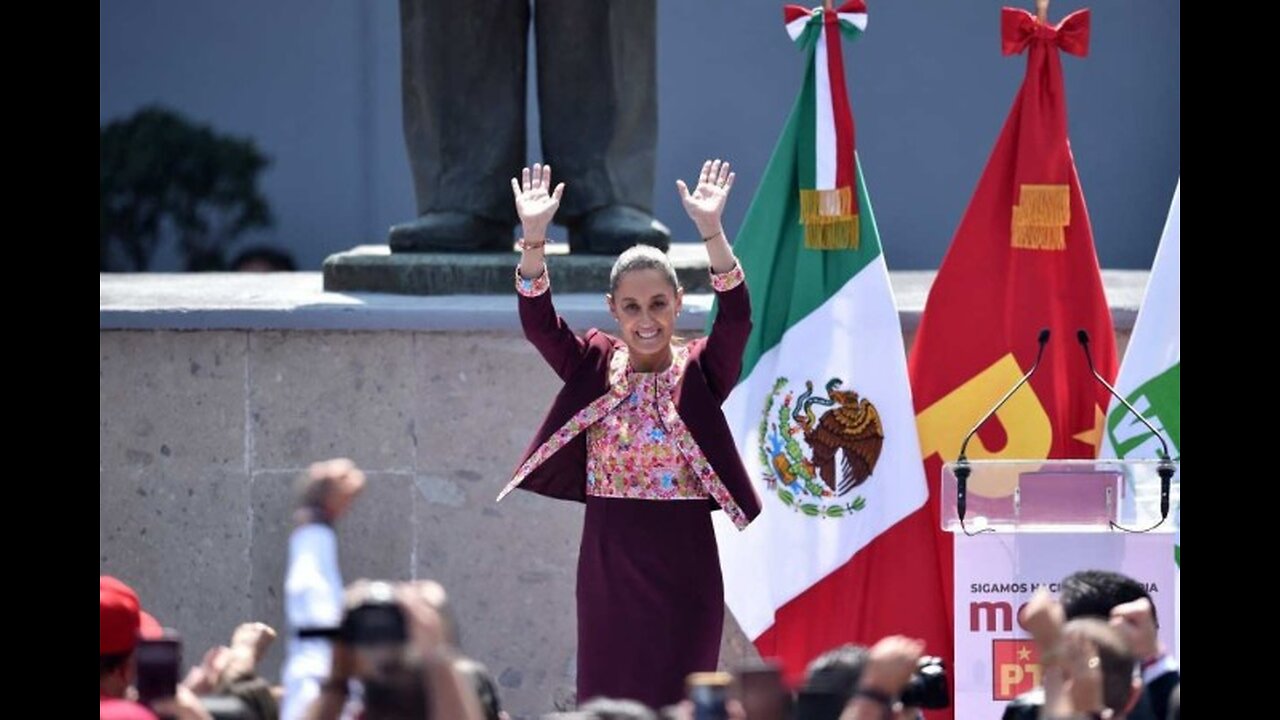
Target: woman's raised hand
706	203
536	202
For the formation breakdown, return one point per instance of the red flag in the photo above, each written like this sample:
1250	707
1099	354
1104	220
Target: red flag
1021	260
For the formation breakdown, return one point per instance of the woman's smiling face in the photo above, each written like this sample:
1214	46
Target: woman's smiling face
645	304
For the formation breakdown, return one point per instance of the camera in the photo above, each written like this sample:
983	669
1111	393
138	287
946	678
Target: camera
377	620
385	661
928	685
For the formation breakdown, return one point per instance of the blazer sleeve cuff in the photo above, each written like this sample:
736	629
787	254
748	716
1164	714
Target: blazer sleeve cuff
533	287
726	281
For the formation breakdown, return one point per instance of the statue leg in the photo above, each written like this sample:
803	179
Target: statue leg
597	99
463	75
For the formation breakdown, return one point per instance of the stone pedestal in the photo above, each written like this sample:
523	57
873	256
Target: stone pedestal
373	268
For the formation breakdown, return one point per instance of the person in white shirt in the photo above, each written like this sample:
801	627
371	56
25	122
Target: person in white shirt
313	585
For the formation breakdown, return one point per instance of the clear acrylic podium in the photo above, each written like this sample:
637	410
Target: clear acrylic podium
1059	496
1030	523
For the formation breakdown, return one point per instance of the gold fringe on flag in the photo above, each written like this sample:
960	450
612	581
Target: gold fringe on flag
828	219
1040	219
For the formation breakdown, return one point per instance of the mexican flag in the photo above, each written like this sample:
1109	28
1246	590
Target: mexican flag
1021	260
822	415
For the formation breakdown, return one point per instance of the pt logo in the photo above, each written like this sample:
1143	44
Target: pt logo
1015	668
813	462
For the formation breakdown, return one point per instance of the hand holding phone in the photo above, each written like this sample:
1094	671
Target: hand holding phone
763	693
159	662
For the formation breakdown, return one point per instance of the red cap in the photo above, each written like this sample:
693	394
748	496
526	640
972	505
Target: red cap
121	619
118	618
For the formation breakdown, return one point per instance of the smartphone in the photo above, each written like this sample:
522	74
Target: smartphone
763	692
709	692
159	662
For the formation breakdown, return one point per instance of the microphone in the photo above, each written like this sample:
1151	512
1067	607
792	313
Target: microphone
962	468
1165	468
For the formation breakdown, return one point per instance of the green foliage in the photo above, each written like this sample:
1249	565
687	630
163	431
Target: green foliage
163	176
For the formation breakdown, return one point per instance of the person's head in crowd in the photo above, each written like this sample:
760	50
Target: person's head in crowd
829	682
376	627
121	623
395	643
837	669
762	691
841	675
261	258
1093	593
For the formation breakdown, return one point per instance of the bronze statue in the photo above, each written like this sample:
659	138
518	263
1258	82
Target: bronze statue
463	75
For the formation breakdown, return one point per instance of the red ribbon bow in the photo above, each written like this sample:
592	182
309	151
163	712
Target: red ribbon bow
1018	28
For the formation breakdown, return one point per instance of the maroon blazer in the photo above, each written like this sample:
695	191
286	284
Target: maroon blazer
713	367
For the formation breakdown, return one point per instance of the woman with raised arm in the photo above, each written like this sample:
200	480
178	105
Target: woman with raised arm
637	434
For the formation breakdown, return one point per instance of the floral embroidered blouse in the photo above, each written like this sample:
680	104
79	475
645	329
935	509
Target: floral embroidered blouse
638	447
632	451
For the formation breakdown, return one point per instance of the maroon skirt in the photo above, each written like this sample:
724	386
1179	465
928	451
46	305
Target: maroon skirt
650	598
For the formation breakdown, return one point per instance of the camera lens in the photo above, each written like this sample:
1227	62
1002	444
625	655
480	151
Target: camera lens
928	686
377	621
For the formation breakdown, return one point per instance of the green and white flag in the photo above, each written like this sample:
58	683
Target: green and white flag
1150	375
